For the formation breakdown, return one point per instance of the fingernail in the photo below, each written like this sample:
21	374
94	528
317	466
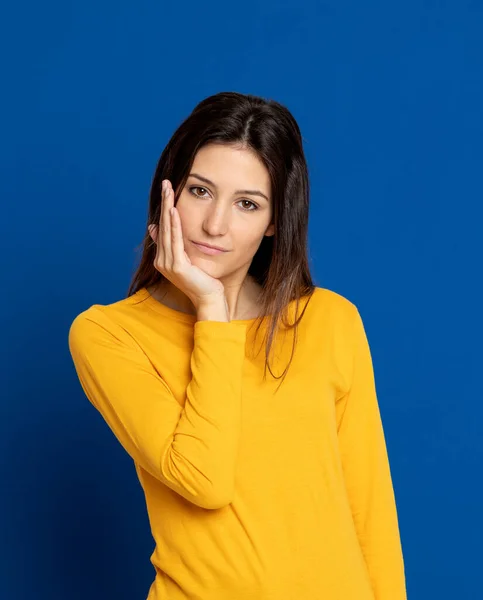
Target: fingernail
163	185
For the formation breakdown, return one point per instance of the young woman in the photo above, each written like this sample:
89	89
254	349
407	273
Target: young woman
269	488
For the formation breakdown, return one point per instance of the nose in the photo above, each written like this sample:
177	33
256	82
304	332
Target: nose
217	219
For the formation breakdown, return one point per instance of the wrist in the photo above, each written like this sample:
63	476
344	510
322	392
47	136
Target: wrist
214	308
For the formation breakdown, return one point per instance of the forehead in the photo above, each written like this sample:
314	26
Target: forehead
232	167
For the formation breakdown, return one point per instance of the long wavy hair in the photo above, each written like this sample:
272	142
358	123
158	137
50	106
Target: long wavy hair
280	265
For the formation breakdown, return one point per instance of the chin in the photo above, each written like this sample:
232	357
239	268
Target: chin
208	265
204	258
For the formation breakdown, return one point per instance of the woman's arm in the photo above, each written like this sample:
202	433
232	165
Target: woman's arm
191	449
367	473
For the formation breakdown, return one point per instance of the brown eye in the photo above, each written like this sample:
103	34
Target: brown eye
196	187
250	209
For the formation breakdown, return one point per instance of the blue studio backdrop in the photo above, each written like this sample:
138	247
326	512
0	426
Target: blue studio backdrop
389	99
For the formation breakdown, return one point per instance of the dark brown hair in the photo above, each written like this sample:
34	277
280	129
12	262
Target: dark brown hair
267	128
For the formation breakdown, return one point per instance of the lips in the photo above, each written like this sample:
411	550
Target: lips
210	246
207	250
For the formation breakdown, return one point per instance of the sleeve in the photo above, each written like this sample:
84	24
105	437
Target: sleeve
367	473
193	448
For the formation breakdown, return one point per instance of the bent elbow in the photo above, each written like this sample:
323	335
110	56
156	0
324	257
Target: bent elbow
215	497
210	486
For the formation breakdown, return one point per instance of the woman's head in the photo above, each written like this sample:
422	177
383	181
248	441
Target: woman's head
225	202
238	142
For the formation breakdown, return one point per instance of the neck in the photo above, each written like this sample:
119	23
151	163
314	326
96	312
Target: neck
242	300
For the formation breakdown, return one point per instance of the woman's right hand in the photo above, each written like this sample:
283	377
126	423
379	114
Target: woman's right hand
172	261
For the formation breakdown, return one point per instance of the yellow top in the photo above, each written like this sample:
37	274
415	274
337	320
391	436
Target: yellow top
250	494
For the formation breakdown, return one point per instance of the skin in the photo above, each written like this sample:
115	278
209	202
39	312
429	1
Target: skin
216	215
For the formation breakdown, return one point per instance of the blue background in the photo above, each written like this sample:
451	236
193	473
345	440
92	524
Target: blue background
389	98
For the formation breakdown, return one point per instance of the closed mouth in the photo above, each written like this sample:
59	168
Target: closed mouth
210	246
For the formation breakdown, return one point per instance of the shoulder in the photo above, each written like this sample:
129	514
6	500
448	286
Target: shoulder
336	318
102	322
332	306
339	332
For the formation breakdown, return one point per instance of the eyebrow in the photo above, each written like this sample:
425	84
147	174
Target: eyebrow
251	192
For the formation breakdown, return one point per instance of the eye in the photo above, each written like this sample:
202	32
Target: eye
250	209
196	187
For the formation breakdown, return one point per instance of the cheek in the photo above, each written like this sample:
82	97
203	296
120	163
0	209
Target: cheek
250	238
184	218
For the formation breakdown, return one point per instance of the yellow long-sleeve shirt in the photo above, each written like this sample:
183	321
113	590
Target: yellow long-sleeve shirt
250	494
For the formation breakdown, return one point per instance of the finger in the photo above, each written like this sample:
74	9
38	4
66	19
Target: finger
165	231
177	238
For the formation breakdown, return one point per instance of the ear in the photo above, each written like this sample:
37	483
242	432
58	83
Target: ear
152	232
270	230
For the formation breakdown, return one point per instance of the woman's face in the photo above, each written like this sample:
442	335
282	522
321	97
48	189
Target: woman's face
214	211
